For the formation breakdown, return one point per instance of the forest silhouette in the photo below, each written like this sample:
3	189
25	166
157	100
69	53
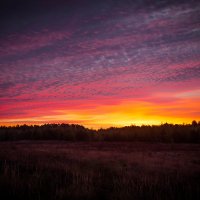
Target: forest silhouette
166	133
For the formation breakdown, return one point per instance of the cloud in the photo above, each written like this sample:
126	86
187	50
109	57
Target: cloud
115	51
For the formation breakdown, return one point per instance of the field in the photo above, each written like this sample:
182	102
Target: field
99	170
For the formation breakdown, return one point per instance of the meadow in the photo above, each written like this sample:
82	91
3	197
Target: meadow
55	169
62	161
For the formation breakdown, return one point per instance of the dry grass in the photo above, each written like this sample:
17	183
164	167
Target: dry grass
99	170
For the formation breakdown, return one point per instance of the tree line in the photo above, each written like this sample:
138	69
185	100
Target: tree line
167	133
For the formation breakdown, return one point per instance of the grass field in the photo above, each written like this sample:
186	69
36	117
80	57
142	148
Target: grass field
99	170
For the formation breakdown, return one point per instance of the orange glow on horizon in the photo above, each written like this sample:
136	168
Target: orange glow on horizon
124	113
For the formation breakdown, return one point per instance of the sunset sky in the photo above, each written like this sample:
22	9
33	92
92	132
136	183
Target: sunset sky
99	63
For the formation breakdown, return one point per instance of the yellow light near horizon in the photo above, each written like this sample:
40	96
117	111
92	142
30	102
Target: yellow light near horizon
124	113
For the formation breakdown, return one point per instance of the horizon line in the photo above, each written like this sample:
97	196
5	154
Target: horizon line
92	128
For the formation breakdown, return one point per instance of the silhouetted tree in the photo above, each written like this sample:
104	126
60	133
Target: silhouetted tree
194	123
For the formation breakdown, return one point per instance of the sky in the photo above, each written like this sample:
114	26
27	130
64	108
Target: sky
99	63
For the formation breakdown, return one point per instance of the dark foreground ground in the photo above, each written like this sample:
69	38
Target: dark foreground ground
99	170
